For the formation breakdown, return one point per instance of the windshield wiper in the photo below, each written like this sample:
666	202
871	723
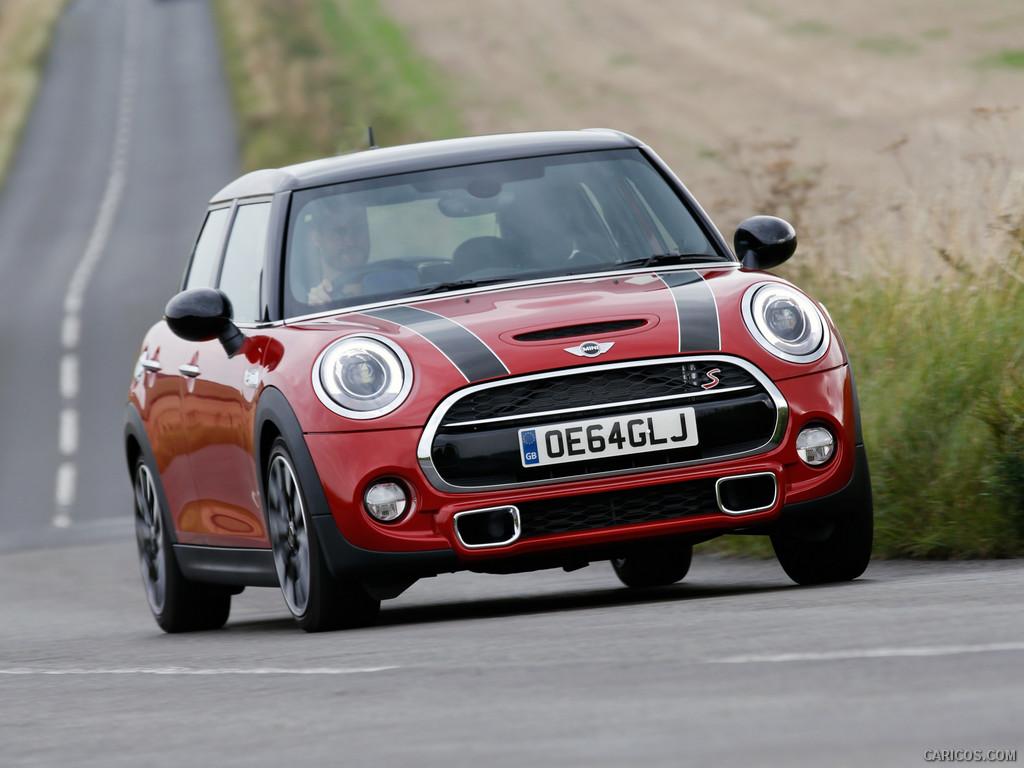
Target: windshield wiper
661	259
456	285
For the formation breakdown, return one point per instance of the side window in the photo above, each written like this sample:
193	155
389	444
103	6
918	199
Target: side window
202	272
243	261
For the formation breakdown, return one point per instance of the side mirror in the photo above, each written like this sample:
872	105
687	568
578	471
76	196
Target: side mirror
201	314
763	242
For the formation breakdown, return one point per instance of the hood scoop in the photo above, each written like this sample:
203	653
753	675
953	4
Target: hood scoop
583	329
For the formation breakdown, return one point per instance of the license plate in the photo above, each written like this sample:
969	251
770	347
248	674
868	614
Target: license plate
610	436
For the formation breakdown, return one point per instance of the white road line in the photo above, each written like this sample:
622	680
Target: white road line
69	376
65	481
870	653
70	331
68	438
187	671
65	493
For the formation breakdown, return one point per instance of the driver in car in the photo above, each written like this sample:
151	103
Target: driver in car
343	240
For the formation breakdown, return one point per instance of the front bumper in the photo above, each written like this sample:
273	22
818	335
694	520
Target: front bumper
347	560
583	519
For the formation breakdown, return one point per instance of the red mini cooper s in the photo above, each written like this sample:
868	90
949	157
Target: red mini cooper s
494	354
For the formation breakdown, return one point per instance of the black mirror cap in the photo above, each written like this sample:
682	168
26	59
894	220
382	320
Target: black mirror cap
202	314
763	242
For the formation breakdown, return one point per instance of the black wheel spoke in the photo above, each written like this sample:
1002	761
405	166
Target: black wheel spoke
288	538
149	536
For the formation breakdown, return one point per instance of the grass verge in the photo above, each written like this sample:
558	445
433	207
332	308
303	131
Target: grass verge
938	371
310	76
25	28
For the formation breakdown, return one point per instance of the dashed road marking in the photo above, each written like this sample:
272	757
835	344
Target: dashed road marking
65	482
870	653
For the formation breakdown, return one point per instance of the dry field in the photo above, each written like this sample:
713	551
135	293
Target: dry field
885	127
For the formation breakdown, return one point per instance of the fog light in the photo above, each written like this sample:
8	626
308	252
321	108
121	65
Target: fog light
815	445
386	501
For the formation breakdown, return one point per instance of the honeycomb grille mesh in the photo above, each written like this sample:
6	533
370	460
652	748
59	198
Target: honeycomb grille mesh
626	507
591	388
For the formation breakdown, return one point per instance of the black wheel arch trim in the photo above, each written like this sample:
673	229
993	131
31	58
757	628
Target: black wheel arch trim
135	431
858	437
275	417
345	560
854	498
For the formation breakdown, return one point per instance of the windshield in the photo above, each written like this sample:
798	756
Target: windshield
434	231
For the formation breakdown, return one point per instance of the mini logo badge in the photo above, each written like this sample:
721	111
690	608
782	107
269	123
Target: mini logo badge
590	348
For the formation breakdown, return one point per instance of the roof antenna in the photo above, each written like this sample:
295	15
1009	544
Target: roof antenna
369	131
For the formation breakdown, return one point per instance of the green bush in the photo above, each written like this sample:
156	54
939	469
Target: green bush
942	410
1003	411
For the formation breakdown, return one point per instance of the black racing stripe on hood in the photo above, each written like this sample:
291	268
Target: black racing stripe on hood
699	330
474	359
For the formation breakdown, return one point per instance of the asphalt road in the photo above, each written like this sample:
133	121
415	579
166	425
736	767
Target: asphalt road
131	134
736	666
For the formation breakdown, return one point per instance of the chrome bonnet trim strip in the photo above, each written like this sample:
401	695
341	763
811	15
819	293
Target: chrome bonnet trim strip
585	408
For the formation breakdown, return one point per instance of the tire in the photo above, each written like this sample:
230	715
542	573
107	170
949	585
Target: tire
657	564
317	600
178	605
839	551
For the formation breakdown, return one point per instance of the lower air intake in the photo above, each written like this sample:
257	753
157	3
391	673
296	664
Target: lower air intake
745	494
493	527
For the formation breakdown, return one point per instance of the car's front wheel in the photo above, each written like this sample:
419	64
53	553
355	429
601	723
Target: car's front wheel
656	564
178	605
317	600
835	551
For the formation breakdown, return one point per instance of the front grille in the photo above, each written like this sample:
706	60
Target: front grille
627	507
594	387
472	441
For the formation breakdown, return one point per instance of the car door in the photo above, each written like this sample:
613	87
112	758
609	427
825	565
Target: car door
157	386
218	402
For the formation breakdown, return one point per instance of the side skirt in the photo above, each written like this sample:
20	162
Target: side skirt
223	565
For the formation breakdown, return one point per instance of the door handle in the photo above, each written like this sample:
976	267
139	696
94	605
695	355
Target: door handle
189	370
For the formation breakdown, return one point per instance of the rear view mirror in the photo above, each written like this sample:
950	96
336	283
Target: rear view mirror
201	314
763	242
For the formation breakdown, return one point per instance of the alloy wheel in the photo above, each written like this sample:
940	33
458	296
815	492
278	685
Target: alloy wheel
150	538
289	536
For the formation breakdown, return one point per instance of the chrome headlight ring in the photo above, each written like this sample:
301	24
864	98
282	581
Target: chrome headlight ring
785	322
363	376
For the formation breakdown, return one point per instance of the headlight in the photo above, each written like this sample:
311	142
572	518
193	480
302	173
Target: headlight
362	377
785	322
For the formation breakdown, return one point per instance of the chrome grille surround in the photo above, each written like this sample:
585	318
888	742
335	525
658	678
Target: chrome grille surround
453	404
